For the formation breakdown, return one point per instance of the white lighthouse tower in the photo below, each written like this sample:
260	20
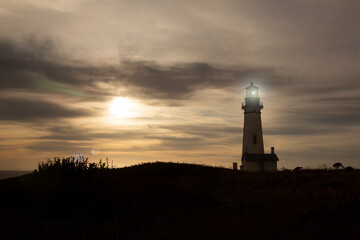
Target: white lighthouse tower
253	156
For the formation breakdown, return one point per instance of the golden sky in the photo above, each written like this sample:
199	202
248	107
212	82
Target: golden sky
139	81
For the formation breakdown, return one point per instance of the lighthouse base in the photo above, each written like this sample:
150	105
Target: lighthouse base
259	162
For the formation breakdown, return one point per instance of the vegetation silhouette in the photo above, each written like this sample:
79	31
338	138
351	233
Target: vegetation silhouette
349	168
73	199
70	165
338	165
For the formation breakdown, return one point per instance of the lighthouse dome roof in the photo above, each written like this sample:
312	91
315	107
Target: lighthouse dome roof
252	86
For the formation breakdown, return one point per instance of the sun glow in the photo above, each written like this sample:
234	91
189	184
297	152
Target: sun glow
122	107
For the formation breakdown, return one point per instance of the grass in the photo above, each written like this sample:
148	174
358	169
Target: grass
179	201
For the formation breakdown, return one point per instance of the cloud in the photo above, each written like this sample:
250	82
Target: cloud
21	109
63	5
63	147
336	111
181	80
38	65
22	64
177	137
210	131
69	132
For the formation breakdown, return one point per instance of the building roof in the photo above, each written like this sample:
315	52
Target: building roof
259	157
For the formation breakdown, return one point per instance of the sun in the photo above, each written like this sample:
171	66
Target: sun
122	107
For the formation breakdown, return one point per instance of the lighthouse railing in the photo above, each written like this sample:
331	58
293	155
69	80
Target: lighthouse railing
260	104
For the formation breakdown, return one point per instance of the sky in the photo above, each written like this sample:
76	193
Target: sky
143	81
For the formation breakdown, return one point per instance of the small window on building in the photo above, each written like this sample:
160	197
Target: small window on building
254	139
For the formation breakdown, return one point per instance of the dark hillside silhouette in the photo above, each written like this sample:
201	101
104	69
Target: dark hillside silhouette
180	201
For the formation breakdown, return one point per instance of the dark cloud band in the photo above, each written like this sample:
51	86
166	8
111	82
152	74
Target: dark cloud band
21	109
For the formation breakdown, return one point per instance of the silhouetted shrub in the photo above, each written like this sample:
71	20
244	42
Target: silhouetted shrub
69	165
338	165
323	167
297	168
349	168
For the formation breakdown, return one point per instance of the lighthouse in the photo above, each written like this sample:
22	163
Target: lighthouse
253	156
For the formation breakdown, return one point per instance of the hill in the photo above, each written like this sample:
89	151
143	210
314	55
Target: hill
181	201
